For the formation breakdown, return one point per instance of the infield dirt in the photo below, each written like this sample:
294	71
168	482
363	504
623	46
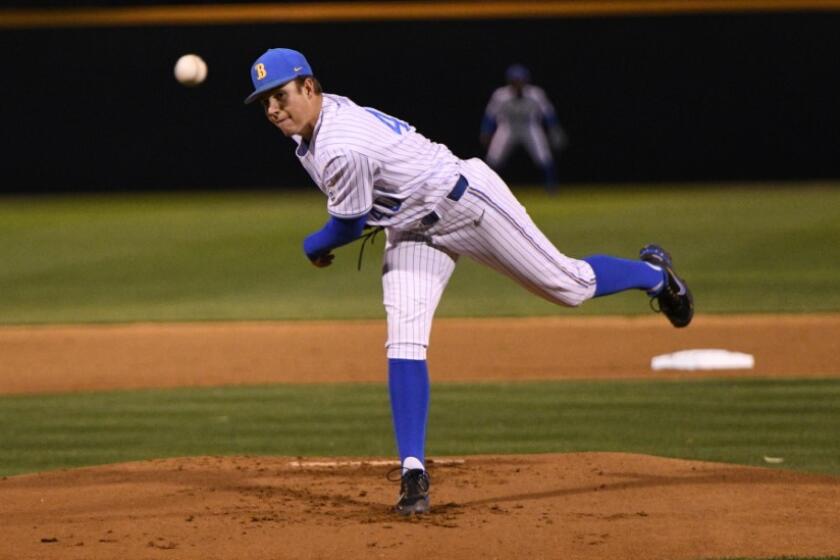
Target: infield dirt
589	505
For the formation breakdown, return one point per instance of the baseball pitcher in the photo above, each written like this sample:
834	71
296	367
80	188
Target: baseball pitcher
377	170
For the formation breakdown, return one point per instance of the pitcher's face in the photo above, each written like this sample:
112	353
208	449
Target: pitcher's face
293	108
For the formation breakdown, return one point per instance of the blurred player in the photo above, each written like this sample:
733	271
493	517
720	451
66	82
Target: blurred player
377	170
519	114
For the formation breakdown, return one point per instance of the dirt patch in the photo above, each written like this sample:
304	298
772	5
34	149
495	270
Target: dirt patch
590	505
72	358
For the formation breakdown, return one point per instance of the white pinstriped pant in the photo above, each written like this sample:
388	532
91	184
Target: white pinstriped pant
487	224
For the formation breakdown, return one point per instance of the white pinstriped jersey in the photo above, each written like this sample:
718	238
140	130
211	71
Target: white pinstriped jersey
366	161
519	113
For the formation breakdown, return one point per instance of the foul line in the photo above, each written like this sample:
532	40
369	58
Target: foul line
231	14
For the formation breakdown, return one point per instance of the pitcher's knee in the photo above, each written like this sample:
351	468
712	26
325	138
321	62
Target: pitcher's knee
578	285
570	286
579	298
572	298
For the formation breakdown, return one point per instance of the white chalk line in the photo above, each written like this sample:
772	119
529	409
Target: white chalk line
374	463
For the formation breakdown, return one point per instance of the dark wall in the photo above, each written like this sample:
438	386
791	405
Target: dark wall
642	99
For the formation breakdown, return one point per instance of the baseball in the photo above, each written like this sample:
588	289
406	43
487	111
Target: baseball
190	70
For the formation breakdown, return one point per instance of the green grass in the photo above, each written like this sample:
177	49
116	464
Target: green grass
237	256
730	421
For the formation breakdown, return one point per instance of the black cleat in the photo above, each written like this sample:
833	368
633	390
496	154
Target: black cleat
675	299
414	493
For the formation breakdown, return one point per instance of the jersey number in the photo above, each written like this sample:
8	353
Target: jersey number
393	123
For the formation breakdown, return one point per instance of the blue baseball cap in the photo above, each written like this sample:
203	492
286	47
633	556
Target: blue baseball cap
517	73
274	68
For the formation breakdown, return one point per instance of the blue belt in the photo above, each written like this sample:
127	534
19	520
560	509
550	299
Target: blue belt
455	194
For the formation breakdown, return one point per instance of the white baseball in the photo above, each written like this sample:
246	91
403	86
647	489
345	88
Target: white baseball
190	70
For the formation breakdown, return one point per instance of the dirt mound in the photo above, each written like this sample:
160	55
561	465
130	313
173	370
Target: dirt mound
591	505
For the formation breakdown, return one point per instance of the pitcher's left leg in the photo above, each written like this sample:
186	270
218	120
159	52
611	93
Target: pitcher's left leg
413	279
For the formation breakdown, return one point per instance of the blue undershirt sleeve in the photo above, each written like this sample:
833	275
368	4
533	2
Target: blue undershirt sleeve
335	233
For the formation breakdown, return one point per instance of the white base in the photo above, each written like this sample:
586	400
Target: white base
703	359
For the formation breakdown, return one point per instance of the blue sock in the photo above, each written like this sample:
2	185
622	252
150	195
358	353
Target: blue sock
550	177
616	275
408	383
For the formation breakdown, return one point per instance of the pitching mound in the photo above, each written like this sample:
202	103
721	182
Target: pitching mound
591	505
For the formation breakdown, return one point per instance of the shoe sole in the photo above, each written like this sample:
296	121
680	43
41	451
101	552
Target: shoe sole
419	507
684	322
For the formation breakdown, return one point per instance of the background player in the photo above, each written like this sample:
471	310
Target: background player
519	114
376	170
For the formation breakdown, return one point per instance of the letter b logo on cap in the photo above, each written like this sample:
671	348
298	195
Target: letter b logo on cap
260	68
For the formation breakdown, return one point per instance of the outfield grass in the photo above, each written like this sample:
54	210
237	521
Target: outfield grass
730	421
237	256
